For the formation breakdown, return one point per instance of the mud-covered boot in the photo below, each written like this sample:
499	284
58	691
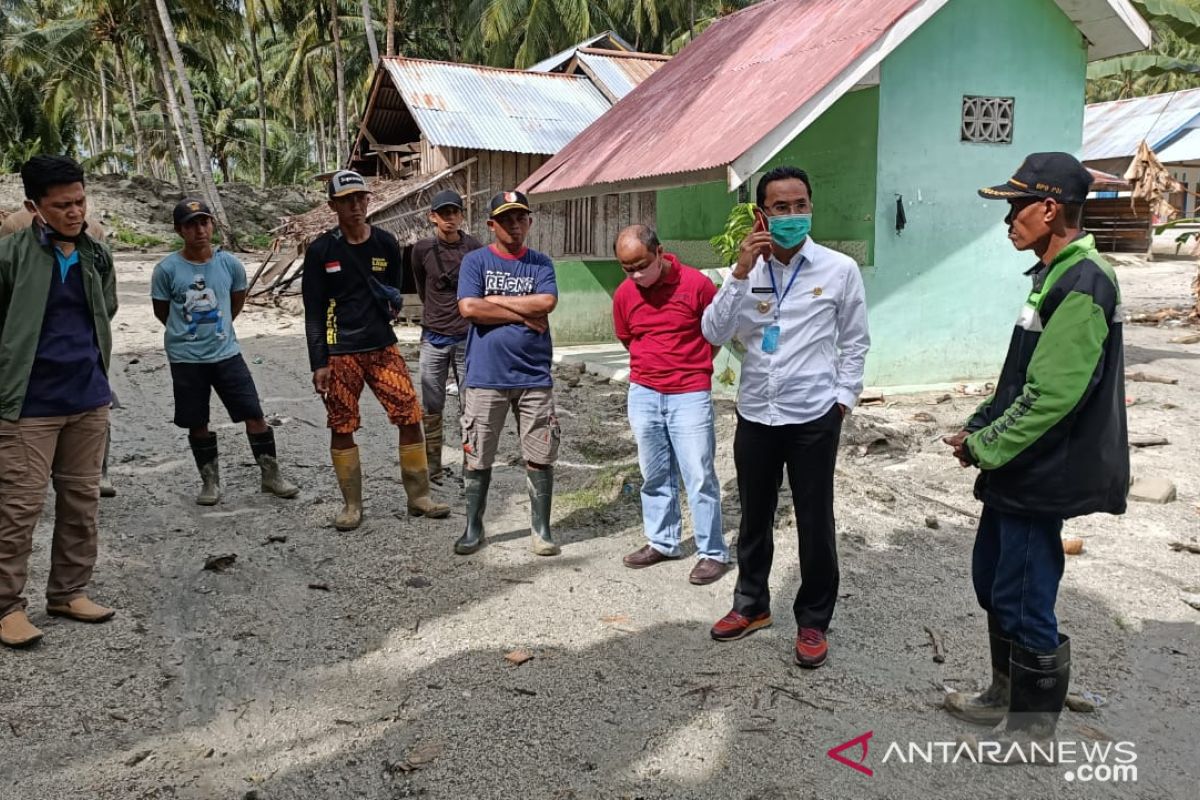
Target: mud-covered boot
106	486
348	469
433	446
475	483
414	474
205	451
540	483
1039	690
262	445
989	706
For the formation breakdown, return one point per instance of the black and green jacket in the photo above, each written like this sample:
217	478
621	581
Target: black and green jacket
1052	439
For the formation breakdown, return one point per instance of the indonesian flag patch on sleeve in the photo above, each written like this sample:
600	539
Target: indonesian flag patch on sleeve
333	266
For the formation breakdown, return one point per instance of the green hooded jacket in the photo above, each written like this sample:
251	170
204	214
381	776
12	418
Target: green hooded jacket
26	265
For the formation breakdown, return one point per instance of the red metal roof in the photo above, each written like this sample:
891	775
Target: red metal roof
722	93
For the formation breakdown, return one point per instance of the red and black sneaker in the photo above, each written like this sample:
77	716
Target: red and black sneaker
734	625
811	648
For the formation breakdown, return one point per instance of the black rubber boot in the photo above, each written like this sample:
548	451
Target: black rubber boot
989	706
205	452
475	483
262	445
1039	689
540	483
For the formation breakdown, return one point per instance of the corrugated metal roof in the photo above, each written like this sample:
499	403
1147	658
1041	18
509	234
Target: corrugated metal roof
1185	148
722	93
561	58
1115	129
482	108
619	73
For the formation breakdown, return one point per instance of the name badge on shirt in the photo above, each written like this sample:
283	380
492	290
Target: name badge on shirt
770	340
378	264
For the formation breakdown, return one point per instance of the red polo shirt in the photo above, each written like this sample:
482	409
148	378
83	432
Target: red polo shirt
661	328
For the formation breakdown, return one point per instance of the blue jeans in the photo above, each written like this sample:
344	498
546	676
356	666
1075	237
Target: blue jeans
676	436
1016	567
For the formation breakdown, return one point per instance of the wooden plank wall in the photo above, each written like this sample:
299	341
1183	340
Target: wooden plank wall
494	172
1117	225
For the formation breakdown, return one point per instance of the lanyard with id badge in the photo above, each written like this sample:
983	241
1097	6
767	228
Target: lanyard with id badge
770	340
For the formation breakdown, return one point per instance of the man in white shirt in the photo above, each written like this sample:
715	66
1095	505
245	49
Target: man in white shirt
800	311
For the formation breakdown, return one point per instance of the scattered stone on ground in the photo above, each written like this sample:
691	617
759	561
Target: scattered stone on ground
1152	490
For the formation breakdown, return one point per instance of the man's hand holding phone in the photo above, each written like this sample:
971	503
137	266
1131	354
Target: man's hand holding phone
757	243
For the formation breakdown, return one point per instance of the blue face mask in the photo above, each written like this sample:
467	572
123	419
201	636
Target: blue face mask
789	230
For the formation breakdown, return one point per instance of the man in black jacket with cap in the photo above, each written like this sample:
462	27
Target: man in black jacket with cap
1050	444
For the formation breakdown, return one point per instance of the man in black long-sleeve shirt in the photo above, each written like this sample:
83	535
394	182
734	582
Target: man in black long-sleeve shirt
348	271
435	263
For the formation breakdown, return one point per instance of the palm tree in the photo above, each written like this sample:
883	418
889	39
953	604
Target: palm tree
204	163
343	139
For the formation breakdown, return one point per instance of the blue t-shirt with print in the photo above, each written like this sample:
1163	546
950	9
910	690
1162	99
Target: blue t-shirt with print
511	355
200	321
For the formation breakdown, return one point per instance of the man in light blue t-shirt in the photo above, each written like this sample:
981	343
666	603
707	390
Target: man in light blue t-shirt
197	293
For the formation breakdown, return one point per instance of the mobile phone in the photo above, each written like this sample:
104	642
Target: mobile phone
760	221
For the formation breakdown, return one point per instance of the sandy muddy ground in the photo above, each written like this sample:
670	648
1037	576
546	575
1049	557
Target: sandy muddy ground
371	664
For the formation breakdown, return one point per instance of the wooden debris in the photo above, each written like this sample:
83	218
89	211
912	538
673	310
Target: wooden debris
793	696
1072	546
518	657
1181	547
320	587
935	638
220	563
1145	377
420	756
138	758
1147	440
1191	338
1080	704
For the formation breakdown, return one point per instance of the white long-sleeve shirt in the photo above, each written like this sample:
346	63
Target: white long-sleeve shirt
823	338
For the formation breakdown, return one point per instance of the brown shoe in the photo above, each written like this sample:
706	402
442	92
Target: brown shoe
17	631
707	571
645	556
81	609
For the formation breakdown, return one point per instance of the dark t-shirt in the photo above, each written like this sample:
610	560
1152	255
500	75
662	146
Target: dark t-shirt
341	313
68	374
511	355
435	266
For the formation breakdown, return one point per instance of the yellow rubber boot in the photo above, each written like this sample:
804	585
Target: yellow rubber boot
414	473
349	476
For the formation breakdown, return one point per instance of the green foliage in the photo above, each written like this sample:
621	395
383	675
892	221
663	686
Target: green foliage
1184	237
83	77
127	235
727	243
1171	64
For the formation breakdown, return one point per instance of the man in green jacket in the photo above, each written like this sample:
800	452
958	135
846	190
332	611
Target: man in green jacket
58	293
19	221
1050	444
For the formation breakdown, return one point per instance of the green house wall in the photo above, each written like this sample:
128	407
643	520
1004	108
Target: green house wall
584	312
838	151
944	293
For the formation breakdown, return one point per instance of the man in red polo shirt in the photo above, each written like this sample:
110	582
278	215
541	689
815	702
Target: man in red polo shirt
656	314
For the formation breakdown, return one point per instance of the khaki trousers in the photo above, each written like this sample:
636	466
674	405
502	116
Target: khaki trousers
33	451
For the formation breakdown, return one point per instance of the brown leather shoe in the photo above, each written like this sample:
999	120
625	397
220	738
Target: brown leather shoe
707	571
17	631
81	609
645	556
